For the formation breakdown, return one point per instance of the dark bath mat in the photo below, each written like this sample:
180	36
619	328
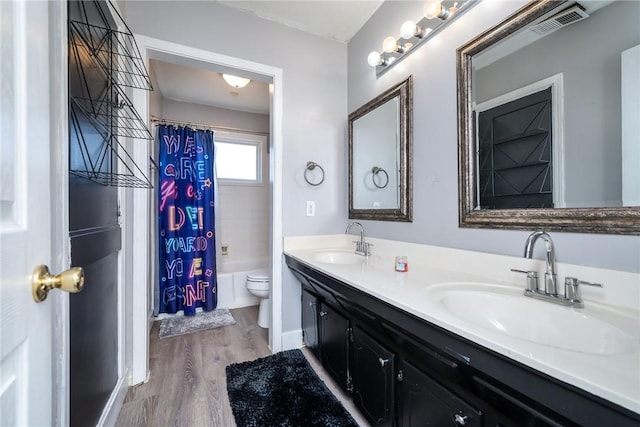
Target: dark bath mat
180	325
282	390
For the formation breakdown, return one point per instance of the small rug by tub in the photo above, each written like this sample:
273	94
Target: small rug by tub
204	320
282	390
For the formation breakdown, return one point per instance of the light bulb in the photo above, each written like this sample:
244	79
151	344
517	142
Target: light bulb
408	30
389	44
453	9
374	59
434	9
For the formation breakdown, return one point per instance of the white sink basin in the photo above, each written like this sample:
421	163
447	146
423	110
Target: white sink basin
339	256
593	329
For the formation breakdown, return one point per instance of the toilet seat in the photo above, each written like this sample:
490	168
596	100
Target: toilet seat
258	276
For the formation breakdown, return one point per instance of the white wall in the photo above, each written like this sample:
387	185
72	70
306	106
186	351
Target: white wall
314	116
433	66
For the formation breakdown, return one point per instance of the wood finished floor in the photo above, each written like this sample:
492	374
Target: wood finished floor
187	383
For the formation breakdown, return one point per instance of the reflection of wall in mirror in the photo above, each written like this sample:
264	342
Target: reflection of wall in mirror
588	53
376	142
631	126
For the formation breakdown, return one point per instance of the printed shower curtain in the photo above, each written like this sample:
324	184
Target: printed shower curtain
186	220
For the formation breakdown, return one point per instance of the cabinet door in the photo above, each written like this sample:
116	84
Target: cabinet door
373	374
425	403
310	322
334	344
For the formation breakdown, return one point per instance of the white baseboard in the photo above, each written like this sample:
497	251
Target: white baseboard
292	339
114	404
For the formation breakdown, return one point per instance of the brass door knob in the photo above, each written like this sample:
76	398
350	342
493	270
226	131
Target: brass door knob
71	280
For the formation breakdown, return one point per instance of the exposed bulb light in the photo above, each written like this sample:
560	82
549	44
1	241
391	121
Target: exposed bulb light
434	9
410	29
235	81
391	45
453	9
375	59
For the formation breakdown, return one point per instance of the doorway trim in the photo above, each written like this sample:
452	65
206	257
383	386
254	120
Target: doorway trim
152	48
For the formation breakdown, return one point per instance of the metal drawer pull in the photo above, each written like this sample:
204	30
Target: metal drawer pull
461	420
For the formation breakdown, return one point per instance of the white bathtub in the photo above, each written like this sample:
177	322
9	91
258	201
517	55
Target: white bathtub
232	279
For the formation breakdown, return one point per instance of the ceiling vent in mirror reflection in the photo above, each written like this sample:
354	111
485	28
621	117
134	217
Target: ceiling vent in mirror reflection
567	17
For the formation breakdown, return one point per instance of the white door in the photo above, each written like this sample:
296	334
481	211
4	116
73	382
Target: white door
25	212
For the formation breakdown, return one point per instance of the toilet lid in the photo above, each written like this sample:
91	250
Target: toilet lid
258	276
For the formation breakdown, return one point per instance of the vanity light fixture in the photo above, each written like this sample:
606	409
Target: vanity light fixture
235	81
413	33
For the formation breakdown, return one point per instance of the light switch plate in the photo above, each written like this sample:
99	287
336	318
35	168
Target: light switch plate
311	208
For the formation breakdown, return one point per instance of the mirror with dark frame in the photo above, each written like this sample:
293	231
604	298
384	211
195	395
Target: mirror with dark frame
548	107
380	145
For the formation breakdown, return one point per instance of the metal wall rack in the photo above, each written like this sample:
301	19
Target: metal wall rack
104	58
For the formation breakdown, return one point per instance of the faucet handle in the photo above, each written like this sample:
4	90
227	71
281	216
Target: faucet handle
532	279
572	290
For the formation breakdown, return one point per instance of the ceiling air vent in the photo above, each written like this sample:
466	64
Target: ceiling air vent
568	16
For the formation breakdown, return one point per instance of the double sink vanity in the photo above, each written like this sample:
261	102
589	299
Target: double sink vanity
455	341
477	339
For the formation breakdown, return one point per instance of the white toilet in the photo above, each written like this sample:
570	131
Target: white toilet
258	284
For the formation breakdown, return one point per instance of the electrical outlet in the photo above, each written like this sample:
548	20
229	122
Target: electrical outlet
224	249
311	208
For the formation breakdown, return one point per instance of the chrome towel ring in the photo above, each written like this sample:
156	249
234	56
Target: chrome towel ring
375	171
311	166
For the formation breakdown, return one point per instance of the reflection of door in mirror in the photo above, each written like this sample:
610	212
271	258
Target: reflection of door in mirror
376	144
587	53
514	154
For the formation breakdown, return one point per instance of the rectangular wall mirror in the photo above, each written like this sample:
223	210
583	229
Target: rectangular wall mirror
380	144
549	136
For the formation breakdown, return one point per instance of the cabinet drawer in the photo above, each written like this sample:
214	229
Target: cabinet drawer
426	403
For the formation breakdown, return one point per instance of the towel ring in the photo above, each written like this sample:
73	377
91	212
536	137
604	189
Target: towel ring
311	166
375	171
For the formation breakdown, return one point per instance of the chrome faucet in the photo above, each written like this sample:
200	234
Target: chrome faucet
571	297
362	248
550	283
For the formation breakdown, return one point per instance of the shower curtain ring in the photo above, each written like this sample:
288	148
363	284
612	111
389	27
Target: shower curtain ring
311	166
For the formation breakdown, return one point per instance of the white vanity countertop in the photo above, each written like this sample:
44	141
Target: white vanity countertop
614	377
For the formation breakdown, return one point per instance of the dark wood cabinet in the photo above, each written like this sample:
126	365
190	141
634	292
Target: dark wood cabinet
334	346
426	403
373	371
310	322
403	371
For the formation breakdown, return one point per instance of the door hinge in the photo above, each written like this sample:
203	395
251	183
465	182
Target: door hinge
349	384
350	334
400	376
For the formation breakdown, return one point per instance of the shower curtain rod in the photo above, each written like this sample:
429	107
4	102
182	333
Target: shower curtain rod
204	126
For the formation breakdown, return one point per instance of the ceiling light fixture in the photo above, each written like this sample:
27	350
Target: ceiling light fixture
413	33
235	81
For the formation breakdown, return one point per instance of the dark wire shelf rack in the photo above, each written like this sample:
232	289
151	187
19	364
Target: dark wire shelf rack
112	46
105	58
105	162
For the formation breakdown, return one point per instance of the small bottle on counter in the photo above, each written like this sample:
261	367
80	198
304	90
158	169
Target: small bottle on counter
402	264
